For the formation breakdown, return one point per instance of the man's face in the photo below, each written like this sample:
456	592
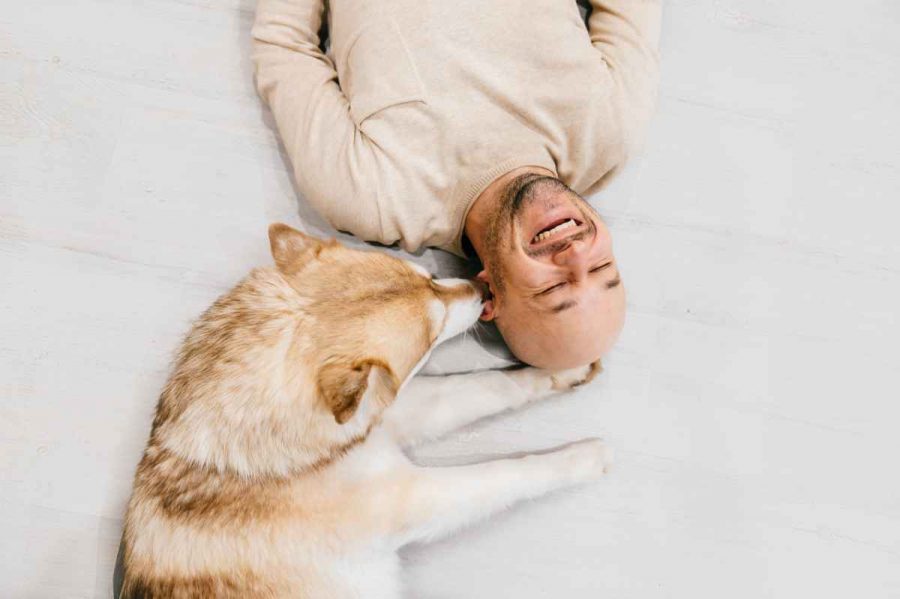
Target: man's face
557	296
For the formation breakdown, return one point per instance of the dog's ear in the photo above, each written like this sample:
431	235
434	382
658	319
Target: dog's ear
342	384
292	249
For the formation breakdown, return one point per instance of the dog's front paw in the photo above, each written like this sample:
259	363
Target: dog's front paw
563	380
538	383
588	459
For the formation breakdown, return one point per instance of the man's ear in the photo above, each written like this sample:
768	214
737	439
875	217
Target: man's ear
292	249
489	309
342	384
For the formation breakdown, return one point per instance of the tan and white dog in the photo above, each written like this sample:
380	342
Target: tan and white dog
275	465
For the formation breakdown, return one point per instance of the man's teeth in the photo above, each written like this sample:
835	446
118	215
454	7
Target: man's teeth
560	227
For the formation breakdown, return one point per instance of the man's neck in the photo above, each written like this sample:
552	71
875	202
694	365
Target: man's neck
488	202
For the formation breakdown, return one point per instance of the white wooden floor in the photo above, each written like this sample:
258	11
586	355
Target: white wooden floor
754	401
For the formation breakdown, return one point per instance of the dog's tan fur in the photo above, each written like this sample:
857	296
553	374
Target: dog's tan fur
273	469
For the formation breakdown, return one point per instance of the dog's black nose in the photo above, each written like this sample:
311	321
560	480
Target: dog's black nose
483	289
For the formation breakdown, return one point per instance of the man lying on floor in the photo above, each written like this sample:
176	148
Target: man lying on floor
474	127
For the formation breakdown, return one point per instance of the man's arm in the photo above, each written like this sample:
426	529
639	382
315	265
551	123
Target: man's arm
626	32
332	160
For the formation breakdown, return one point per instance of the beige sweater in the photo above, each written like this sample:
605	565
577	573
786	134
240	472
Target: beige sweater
419	104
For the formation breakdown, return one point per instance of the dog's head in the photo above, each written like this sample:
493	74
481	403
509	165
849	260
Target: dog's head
371	319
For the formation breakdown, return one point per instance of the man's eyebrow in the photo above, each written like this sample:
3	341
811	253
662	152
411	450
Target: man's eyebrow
563	306
614	282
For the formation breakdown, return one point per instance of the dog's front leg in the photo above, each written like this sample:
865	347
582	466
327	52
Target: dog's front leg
438	501
430	406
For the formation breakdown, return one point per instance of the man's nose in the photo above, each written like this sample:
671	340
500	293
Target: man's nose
573	255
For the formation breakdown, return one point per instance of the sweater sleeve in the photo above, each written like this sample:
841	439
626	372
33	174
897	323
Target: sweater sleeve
332	159
626	32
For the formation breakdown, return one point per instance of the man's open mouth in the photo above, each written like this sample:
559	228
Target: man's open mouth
556	230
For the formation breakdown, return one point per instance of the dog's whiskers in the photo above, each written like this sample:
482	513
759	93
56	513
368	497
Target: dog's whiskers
476	332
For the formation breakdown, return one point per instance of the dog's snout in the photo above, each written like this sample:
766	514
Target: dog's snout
484	292
461	289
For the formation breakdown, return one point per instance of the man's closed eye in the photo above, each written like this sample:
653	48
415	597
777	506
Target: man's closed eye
595	269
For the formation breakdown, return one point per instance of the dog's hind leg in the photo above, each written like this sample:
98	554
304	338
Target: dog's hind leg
438	501
430	406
